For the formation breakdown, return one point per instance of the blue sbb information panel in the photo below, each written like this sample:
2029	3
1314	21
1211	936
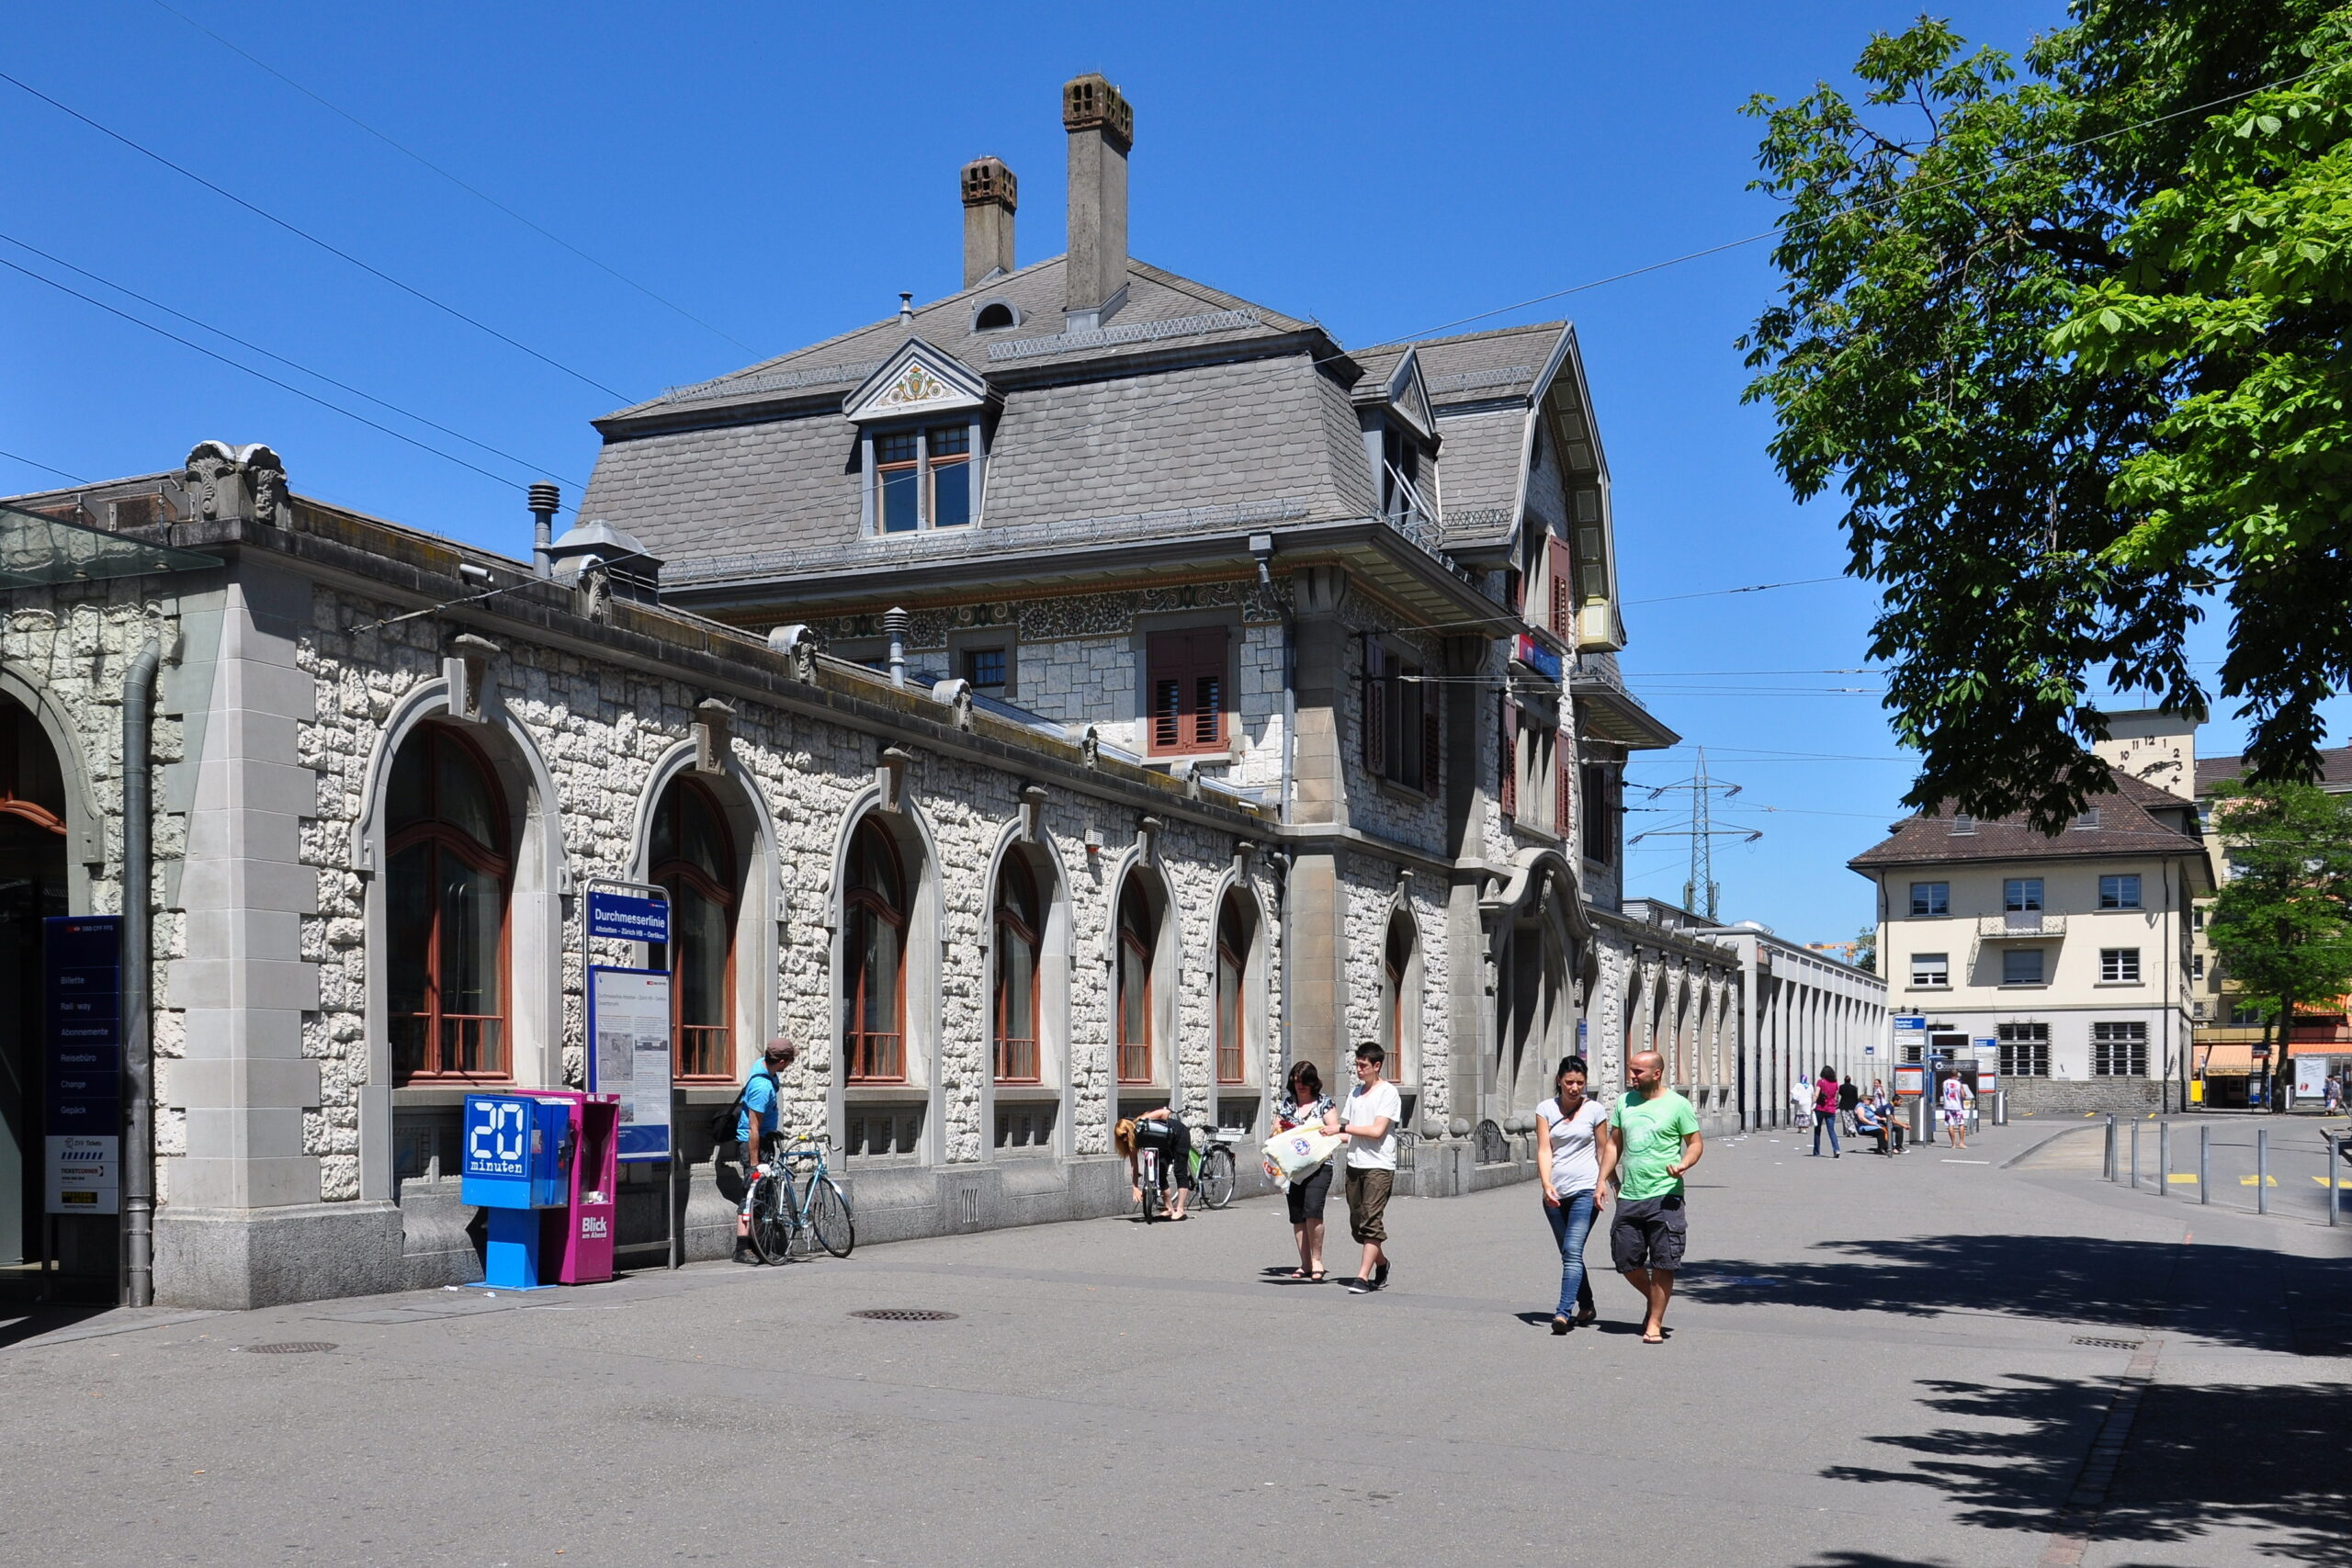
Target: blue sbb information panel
515	1152
82	1061
626	917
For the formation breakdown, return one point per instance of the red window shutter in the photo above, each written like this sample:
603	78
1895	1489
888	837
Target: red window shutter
1563	613
1185	676
1508	780
1375	708
1563	803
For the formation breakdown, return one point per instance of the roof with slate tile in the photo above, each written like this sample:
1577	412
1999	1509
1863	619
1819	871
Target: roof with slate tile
2136	818
2334	776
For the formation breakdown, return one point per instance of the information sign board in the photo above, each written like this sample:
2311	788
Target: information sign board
629	1054
627	917
1910	1080
2311	1077
81	1063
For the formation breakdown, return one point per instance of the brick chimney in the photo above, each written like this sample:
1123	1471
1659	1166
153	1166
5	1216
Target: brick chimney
991	193
1101	129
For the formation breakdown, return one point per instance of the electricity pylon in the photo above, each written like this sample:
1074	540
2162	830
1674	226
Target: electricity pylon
1702	833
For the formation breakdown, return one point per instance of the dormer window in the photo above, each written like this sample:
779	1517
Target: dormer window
922	478
995	317
1400	475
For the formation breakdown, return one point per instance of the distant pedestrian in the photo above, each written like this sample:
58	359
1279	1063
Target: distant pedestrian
1957	1098
1800	1102
1303	1104
1568	1162
1849	1094
1653	1140
1369	1119
1824	1112
2335	1091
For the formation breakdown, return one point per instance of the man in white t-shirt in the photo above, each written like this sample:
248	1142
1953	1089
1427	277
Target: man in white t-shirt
1368	1120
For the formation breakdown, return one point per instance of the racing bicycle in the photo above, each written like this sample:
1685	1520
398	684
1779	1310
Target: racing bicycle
783	1211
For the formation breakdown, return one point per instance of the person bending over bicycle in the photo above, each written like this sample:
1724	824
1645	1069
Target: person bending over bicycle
1173	1141
758	1111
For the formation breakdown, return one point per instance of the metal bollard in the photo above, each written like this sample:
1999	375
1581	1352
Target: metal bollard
2163	1159
2262	1170
2106	1157
2327	1142
2135	1156
2204	1165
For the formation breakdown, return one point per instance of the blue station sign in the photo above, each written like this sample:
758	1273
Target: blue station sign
82	1061
627	917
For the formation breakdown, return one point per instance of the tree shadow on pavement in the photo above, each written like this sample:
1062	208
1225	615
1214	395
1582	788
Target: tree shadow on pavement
2269	1459
2217	1293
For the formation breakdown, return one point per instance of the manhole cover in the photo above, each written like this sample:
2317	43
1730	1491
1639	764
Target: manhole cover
287	1347
904	1314
2098	1344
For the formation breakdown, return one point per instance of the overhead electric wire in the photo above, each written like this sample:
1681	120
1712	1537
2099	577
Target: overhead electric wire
1751	588
293	365
264	376
298	233
470	190
44	467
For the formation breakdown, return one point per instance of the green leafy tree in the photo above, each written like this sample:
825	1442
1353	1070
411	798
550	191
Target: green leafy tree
1866	949
2282	922
2068	339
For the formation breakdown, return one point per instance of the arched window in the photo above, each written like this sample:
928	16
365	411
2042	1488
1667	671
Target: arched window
994	317
874	951
32	785
693	859
1232	966
1137	939
1019	936
447	873
1396	966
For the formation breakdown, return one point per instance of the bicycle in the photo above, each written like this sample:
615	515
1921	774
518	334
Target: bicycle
781	1211
1212	1165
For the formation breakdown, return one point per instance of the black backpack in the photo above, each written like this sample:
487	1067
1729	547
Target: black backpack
722	1122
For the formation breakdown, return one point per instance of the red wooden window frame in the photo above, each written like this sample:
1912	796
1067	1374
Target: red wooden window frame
1507	774
476	1043
1563	604
1015	1057
1395	964
874	1056
1232	979
1189	691
29	789
699	1052
1139	939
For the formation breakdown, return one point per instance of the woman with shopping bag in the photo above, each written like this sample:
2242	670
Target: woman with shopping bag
1299	1156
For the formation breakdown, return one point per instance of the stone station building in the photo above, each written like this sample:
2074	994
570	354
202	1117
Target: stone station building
1086	692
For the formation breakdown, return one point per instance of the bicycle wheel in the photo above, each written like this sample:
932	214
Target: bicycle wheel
1147	1178
828	1217
771	1219
1217	1176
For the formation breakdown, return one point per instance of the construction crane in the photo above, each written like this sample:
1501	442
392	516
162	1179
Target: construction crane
1702	833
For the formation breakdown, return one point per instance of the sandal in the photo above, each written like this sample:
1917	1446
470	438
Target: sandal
1560	1325
1657	1338
1316	1278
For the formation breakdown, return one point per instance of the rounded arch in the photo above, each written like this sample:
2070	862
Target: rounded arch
1402	991
1142	958
1539	930
1241	1025
85	837
758	880
541	877
1028	1114
886	1118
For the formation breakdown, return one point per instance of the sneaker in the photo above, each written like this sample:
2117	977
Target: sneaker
1360	1287
1380	1275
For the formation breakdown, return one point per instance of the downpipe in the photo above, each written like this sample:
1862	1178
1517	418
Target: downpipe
138	965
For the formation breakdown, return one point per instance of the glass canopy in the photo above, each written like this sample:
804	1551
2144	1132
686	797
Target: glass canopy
37	550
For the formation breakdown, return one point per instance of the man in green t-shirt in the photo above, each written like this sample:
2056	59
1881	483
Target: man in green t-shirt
1653	1141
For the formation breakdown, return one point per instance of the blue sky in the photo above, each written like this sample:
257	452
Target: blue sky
760	178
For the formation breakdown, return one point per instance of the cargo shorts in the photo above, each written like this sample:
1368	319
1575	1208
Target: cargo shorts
1648	1233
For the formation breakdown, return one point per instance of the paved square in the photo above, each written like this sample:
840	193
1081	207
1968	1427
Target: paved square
1875	1362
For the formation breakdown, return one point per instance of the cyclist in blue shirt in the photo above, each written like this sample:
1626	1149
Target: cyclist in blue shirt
759	1112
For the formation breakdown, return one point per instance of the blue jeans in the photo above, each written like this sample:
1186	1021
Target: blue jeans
1830	1122
1571	1220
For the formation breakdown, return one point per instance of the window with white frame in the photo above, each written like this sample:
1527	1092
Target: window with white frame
2119	892
922	478
2021	894
1930	969
1929	898
2118	964
2118	1050
2024	1050
2024	966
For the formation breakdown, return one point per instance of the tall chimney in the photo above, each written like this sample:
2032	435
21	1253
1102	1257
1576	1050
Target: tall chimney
991	193
1101	129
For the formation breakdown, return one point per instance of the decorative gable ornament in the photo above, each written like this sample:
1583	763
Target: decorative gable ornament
918	380
1408	393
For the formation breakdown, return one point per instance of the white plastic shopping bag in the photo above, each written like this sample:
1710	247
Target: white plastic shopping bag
1297	1151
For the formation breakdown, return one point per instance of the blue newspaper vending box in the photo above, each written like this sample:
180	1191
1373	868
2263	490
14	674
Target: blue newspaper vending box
517	1161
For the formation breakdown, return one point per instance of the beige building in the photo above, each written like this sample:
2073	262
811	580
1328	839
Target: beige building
2063	960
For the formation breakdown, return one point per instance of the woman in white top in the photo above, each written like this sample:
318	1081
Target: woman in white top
1569	1162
